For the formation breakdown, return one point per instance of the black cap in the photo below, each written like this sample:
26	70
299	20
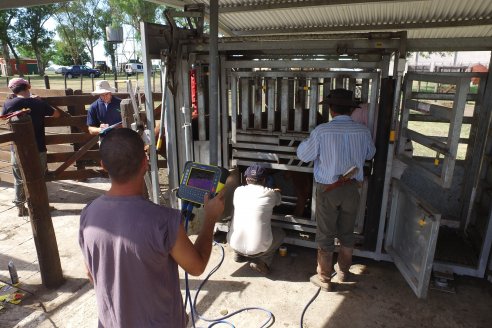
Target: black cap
255	171
340	97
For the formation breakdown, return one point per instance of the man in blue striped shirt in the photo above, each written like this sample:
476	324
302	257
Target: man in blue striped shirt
339	149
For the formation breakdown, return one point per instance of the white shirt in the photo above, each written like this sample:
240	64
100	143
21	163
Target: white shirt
251	230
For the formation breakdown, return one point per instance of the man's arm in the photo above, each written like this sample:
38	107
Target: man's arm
278	196
89	275
308	149
95	130
371	149
93	124
58	113
193	258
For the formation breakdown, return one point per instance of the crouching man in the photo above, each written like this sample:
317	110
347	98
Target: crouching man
251	235
132	247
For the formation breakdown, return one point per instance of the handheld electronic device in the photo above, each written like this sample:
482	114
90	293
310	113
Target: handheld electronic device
199	179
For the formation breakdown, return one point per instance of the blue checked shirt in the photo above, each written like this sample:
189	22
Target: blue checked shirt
335	147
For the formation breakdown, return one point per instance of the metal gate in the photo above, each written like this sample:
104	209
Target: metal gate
273	111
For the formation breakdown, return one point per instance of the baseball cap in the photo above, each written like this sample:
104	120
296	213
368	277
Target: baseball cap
16	82
255	171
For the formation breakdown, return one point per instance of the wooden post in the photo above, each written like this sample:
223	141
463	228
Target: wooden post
81	82
126	113
37	195
46	81
127	118
65	80
74	111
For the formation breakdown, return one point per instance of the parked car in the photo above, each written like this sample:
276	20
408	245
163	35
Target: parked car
77	70
132	68
102	66
60	70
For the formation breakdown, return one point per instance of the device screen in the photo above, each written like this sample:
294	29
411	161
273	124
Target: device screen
201	179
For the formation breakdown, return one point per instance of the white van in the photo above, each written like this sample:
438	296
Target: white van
132	68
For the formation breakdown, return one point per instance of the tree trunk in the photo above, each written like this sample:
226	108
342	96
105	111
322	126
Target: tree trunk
113	58
17	59
91	51
6	56
39	59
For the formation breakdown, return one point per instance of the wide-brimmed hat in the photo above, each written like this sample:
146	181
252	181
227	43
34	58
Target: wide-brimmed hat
102	87
17	82
255	171
340	97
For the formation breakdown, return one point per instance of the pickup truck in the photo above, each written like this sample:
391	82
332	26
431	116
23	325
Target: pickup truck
77	70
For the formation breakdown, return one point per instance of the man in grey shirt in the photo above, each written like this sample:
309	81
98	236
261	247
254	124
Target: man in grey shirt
132	247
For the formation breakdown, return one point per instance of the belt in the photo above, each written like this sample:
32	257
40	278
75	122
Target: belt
336	184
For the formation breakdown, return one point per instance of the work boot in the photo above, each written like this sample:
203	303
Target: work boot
343	263
324	270
239	258
22	210
260	267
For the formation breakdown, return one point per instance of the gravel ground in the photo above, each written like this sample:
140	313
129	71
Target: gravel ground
378	298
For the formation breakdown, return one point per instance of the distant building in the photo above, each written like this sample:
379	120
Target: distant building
26	66
478	68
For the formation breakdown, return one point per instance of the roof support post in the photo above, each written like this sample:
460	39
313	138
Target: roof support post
214	81
149	110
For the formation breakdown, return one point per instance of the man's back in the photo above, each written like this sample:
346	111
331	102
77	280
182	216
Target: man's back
335	147
39	109
251	227
126	241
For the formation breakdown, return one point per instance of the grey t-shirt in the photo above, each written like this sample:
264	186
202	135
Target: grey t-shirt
126	242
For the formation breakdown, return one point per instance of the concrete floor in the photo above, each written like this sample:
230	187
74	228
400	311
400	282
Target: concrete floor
379	298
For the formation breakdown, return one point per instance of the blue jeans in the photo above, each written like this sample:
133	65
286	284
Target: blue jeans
20	196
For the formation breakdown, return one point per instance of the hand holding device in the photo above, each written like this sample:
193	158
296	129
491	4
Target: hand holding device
214	206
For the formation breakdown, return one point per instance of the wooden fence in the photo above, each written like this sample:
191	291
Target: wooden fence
76	146
65	136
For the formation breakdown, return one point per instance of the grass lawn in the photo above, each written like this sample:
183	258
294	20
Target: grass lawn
57	82
437	130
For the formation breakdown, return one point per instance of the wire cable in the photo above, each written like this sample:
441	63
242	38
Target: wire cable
187	209
267	323
308	304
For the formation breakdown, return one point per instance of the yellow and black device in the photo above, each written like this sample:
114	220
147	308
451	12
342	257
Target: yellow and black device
200	179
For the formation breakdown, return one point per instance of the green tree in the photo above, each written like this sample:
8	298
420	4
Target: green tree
67	31
63	54
135	11
31	33
26	51
80	19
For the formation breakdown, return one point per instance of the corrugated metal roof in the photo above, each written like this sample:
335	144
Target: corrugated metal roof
422	19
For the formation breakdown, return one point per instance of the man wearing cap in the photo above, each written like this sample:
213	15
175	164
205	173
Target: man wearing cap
105	111
336	147
39	109
251	235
